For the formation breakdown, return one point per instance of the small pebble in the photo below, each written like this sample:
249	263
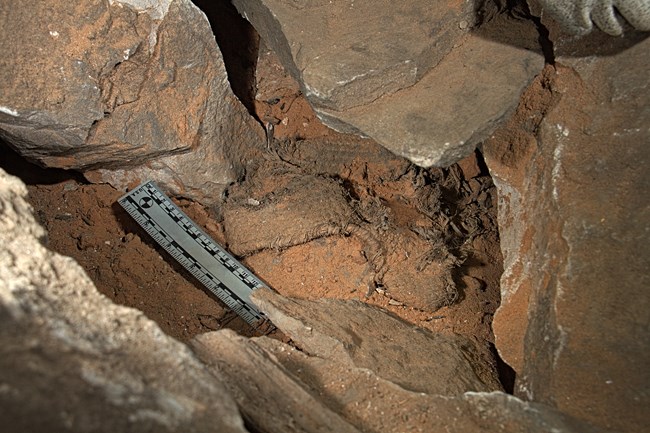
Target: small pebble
70	186
253	202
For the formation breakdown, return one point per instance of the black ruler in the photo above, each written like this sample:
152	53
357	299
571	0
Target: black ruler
215	268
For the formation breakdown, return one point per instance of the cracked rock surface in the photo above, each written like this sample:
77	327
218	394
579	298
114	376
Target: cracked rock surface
427	81
345	64
118	372
354	334
71	360
132	90
281	389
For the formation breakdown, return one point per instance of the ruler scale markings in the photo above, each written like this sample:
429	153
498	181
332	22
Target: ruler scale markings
193	249
179	252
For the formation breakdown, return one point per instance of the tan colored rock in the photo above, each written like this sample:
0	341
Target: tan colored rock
574	229
428	81
268	395
71	360
358	335
442	118
133	86
343	61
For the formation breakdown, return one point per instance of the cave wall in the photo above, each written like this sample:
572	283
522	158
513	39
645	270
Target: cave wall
574	216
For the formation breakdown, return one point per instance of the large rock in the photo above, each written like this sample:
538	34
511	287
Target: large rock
574	214
358	335
425	80
137	86
281	389
345	62
268	395
71	360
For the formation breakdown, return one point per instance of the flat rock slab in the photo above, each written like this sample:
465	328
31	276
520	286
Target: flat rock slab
281	389
350	53
376	405
574	212
268	395
71	360
440	119
423	79
129	85
359	335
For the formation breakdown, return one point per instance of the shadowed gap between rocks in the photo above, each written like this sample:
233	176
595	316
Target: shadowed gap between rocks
236	37
32	173
507	375
37	177
239	43
489	12
558	325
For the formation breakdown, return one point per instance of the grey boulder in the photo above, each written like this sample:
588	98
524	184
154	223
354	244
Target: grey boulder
124	90
427	80
71	360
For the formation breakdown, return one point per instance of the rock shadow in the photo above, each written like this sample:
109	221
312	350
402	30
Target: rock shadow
509	22
239	45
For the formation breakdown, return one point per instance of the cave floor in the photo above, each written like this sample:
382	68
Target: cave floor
84	222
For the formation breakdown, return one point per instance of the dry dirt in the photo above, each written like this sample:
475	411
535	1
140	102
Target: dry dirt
320	215
386	246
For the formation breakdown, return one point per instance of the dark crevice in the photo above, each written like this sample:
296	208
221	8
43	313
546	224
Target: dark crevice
485	11
503	21
544	40
480	160
507	374
33	173
239	44
249	424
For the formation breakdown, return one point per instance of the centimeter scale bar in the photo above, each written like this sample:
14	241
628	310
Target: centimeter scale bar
217	270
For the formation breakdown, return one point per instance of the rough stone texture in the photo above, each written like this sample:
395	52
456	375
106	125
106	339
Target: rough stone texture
574	217
440	120
106	85
378	69
268	395
276	81
71	360
345	62
355	334
322	394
